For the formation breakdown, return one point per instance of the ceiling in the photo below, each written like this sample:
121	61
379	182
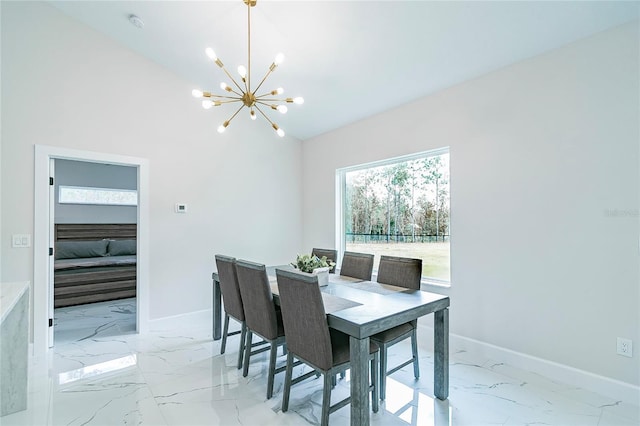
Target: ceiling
348	59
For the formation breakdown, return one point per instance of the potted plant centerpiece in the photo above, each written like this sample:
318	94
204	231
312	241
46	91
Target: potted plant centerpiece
319	266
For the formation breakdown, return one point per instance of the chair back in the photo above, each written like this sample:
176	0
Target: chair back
259	310
229	286
400	271
330	254
357	265
305	322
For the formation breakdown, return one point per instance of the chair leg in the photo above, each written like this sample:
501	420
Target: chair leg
375	397
342	374
243	338
333	381
383	371
287	382
225	331
414	351
326	399
284	349
247	353
272	368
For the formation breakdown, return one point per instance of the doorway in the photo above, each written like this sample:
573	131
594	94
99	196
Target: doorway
95	229
43	237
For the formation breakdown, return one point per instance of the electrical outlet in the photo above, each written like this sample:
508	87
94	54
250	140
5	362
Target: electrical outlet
625	347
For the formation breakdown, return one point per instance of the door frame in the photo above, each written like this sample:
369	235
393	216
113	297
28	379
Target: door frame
42	282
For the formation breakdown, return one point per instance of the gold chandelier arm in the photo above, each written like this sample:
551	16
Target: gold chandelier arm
230	101
268	94
271	68
272	106
234	115
270	100
278	130
215	97
234	81
264	115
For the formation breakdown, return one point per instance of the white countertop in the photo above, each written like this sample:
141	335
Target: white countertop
9	294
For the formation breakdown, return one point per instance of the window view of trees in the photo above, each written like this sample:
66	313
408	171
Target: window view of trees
401	209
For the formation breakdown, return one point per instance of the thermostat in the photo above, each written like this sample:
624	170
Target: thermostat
181	208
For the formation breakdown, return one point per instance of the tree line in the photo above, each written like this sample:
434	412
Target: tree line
403	199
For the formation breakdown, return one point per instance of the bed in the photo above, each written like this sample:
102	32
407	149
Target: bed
94	263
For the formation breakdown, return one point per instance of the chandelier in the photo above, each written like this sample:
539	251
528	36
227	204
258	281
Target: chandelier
243	93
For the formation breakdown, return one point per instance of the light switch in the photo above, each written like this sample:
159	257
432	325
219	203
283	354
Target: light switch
21	240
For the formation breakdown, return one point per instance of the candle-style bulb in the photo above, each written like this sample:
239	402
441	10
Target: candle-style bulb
210	53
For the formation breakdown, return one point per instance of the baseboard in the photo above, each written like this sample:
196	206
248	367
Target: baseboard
615	389
196	317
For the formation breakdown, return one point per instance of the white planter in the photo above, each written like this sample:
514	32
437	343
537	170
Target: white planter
323	276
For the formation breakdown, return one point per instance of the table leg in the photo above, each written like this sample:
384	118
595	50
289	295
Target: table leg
359	349
217	308
441	352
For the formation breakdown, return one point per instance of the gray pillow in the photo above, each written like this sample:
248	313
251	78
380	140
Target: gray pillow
80	249
122	247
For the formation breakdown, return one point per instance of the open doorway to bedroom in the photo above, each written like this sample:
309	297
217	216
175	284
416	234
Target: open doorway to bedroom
44	238
95	250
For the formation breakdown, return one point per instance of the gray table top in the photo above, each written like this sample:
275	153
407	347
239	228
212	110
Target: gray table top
363	308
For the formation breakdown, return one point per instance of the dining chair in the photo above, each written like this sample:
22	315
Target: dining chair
400	272
261	316
357	265
232	302
330	254
310	339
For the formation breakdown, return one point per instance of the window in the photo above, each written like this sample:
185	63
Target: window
102	196
399	207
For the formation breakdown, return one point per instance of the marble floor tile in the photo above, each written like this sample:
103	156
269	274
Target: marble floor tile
94	320
107	375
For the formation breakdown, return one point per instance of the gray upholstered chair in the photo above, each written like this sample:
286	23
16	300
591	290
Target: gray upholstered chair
232	302
261	316
357	265
400	272
310	339
330	254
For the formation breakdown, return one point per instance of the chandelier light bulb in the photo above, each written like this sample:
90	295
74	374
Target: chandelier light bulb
222	128
253	115
279	59
299	100
197	93
280	132
211	54
224	86
282	109
206	104
242	71
279	91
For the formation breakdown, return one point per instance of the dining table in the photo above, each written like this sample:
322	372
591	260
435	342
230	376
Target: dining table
361	309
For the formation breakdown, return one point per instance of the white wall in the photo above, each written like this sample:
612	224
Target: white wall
96	175
542	153
66	85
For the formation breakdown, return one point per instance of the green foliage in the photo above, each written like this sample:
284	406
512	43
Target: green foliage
403	199
307	263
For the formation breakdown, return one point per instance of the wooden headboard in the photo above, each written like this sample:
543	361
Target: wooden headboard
95	231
